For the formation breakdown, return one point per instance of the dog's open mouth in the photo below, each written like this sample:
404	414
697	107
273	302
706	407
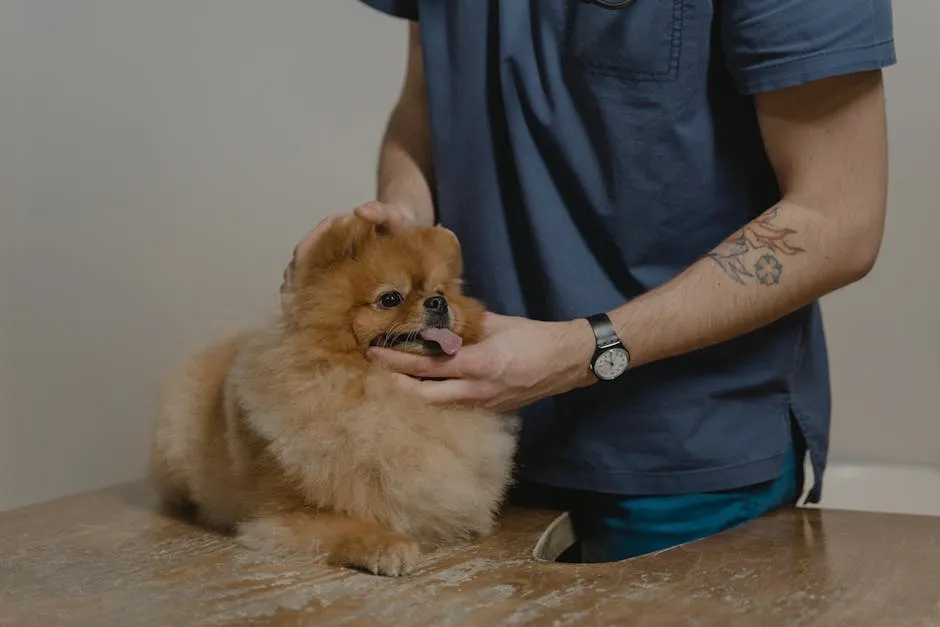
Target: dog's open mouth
430	340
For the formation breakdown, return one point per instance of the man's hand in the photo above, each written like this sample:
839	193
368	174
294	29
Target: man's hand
518	362
388	218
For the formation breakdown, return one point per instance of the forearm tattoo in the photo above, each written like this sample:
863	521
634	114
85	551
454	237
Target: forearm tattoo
755	252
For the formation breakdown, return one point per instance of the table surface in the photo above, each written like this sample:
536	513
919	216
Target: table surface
111	558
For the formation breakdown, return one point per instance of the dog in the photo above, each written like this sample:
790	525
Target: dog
289	437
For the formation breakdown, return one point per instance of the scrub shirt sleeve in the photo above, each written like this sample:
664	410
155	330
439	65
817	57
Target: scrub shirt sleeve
406	9
773	44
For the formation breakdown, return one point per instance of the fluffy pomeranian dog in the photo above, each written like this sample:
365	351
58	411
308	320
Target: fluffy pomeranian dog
288	436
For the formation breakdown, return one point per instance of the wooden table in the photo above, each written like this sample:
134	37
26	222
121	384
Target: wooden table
109	558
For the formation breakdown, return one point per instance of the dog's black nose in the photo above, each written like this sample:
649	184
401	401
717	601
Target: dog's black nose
436	304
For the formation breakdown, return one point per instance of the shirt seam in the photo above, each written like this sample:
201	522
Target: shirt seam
815	55
753	78
670	473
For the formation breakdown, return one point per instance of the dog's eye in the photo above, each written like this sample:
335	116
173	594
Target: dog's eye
390	300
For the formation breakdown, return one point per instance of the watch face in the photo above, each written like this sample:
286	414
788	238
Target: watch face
611	363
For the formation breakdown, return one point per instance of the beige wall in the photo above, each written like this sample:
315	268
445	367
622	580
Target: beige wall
158	160
885	332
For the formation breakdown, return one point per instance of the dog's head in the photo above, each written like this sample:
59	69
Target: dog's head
357	288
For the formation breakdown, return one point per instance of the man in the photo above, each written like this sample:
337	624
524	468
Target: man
652	195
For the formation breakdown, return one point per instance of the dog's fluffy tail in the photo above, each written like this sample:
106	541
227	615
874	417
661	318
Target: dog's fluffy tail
190	421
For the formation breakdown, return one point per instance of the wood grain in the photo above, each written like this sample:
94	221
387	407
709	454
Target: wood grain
110	558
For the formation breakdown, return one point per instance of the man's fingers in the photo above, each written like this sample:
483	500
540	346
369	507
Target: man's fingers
493	322
409	384
462	365
414	365
397	221
451	391
389	218
373	211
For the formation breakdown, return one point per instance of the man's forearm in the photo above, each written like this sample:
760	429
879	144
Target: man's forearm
827	143
781	261
405	169
405	166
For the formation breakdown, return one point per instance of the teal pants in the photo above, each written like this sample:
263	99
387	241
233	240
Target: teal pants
615	527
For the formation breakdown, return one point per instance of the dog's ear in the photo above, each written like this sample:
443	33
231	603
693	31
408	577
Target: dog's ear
445	241
344	239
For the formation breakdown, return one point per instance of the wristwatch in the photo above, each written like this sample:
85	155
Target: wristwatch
611	358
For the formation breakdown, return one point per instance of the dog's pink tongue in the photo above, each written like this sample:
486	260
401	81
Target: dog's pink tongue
449	341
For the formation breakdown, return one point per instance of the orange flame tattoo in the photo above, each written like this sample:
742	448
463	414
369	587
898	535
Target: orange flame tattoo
758	234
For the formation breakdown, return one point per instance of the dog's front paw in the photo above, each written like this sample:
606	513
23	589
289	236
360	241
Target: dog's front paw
381	553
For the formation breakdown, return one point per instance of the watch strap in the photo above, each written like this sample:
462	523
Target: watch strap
604	333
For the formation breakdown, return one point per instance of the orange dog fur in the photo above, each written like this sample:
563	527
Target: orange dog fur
289	436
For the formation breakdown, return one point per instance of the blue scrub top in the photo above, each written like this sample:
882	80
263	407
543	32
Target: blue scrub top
584	155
